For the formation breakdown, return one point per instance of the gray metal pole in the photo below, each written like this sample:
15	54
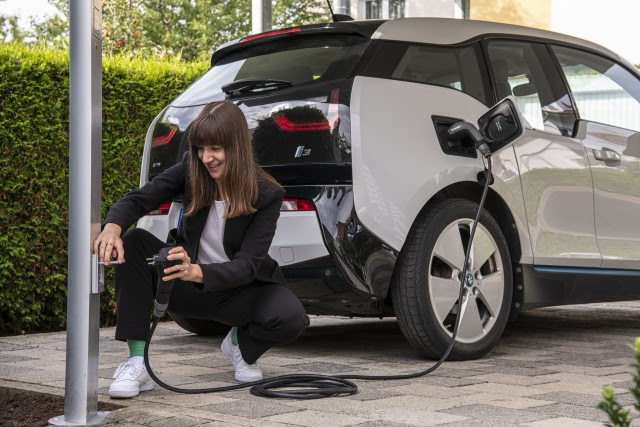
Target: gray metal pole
85	175
260	16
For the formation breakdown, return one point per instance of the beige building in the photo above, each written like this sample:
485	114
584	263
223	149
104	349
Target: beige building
612	24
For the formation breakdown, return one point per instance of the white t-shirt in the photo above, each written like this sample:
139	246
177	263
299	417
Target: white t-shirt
211	248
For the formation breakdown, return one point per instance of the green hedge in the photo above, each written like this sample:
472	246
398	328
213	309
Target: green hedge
34	149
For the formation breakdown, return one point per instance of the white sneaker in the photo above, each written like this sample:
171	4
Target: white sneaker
130	379
244	372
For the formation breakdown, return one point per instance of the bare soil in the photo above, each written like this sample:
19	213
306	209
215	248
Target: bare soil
29	408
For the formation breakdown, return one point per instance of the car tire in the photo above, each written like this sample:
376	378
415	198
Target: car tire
202	327
426	282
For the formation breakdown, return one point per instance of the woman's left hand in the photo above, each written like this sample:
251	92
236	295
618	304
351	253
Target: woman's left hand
185	271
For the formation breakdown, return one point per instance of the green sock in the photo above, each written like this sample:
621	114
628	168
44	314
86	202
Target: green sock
234	336
136	347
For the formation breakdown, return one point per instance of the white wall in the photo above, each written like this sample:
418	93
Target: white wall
613	23
437	8
417	8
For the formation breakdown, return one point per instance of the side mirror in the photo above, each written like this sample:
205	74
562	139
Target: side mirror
501	124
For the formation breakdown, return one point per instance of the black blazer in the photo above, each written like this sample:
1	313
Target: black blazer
246	239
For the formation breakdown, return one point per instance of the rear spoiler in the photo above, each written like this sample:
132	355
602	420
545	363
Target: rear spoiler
361	28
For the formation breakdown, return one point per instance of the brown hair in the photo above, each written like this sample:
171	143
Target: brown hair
223	123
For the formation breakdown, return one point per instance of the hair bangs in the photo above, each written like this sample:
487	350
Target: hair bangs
211	128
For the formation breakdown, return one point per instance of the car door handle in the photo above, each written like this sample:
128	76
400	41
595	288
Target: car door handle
606	155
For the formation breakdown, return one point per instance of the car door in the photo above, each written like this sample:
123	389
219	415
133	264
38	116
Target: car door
554	168
607	96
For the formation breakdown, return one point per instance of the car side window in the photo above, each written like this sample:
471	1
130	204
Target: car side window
603	90
525	70
456	67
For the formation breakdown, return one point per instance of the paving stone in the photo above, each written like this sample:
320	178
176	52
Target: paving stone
449	381
504	401
481	423
413	403
318	419
496	388
325	368
579	412
339	405
580	399
176	421
258	409
226	377
185	400
448	372
384	423
493	363
578	383
187	370
496	415
563	422
205	362
371	393
11	345
512	379
30	375
416	417
7	357
132	416
380	384
589	370
514	370
219	424
30	351
428	390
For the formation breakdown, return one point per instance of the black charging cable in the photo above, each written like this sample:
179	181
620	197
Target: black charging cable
312	386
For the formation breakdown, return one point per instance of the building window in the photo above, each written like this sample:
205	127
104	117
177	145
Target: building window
396	9
373	9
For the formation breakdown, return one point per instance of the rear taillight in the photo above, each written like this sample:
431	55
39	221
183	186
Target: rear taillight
164	139
287	125
163	209
269	34
291	204
332	121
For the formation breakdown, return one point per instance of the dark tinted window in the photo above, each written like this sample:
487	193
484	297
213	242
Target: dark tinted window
526	71
452	67
300	60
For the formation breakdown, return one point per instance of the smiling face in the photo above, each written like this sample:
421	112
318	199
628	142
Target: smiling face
221	160
212	157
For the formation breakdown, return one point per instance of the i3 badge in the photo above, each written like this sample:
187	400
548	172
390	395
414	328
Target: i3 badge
301	151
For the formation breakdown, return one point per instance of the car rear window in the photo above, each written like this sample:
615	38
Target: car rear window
301	60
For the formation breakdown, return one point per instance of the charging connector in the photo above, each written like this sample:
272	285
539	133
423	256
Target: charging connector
160	262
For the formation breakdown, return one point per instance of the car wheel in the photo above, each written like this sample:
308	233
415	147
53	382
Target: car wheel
203	327
426	282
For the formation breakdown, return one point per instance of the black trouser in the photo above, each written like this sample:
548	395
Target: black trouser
265	314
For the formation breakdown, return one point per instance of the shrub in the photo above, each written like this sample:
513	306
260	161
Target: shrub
617	414
34	158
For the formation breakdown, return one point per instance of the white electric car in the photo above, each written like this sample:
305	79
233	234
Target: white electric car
351	118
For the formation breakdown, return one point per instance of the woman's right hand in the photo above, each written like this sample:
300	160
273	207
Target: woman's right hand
108	244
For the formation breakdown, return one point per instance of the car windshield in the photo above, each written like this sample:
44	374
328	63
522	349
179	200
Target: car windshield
300	60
